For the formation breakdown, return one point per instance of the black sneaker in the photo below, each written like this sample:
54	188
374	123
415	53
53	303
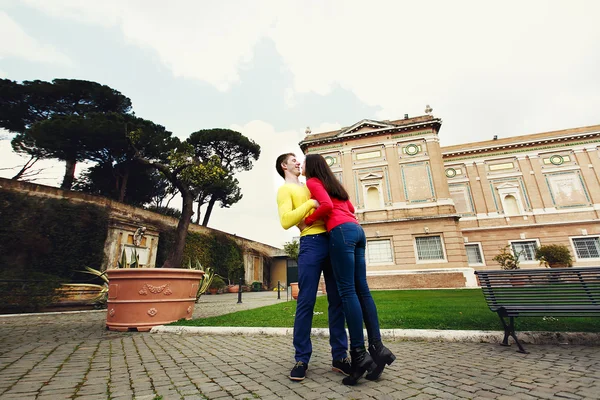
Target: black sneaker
343	365
299	371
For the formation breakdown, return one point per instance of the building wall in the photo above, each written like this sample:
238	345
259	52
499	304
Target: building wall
278	272
423	206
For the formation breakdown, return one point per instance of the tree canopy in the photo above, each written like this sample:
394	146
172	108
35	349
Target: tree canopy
236	153
187	173
56	120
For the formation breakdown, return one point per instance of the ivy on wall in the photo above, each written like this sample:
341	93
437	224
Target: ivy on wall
50	236
215	250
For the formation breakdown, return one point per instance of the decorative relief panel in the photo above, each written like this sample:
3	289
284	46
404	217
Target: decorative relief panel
164	289
463	200
456	171
567	189
369	154
333	159
417	148
417	182
557	159
502	166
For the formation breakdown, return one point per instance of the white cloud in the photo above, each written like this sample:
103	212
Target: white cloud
502	67
193	40
18	44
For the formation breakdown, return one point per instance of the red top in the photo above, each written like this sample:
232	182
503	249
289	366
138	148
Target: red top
333	211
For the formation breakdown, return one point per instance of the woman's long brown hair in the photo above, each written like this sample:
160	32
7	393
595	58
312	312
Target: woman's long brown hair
316	167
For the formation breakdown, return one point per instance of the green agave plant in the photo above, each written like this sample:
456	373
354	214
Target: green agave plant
135	260
207	278
102	296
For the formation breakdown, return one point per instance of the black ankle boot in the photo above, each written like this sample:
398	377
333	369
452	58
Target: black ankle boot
361	363
382	357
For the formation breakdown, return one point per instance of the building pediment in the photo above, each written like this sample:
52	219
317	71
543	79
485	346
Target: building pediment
365	125
508	185
371	176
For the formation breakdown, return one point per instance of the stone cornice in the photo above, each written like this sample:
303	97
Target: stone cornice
523	145
343	135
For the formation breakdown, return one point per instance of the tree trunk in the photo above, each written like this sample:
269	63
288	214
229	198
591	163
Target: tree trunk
198	213
176	256
211	204
69	174
123	187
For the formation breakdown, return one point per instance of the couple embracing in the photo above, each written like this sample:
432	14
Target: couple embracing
332	242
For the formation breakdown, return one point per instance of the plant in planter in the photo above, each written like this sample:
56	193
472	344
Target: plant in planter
207	278
554	256
216	285
256	286
507	259
140	298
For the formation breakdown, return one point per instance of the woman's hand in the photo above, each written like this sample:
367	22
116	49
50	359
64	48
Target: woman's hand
302	226
316	203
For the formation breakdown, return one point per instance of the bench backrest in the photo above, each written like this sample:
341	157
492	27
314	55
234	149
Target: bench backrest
560	289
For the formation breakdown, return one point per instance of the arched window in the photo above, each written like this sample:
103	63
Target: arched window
511	206
373	200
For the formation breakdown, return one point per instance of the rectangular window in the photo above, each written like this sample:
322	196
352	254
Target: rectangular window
429	248
379	251
371	154
588	247
474	254
526	250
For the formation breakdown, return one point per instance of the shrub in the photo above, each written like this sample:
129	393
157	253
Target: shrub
217	283
554	256
28	292
256	286
507	259
50	236
217	250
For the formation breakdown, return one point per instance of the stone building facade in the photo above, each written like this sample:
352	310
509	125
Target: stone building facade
433	214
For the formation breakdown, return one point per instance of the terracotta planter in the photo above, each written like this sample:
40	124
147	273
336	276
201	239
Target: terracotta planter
295	290
213	290
140	298
233	288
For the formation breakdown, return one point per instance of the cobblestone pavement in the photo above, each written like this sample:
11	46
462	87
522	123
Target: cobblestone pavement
71	356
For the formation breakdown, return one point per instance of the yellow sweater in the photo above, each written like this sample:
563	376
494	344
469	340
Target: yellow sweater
294	205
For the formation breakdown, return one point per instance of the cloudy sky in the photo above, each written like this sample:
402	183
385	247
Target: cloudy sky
269	69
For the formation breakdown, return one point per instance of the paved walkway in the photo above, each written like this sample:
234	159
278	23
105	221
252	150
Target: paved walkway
68	356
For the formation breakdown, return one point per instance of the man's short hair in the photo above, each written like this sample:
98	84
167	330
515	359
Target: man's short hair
280	160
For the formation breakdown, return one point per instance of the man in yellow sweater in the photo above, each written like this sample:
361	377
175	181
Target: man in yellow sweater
294	203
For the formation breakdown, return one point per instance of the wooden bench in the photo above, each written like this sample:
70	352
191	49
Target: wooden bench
567	292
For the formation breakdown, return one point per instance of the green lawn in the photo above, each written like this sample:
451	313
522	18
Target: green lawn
407	309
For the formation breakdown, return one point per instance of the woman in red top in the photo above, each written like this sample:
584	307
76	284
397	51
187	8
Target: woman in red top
347	243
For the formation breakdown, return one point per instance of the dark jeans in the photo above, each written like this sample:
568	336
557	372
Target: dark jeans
347	243
312	260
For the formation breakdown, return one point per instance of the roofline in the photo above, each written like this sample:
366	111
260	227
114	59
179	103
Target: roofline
523	143
432	122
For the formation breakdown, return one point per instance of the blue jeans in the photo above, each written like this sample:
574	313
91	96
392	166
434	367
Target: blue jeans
312	260
347	243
